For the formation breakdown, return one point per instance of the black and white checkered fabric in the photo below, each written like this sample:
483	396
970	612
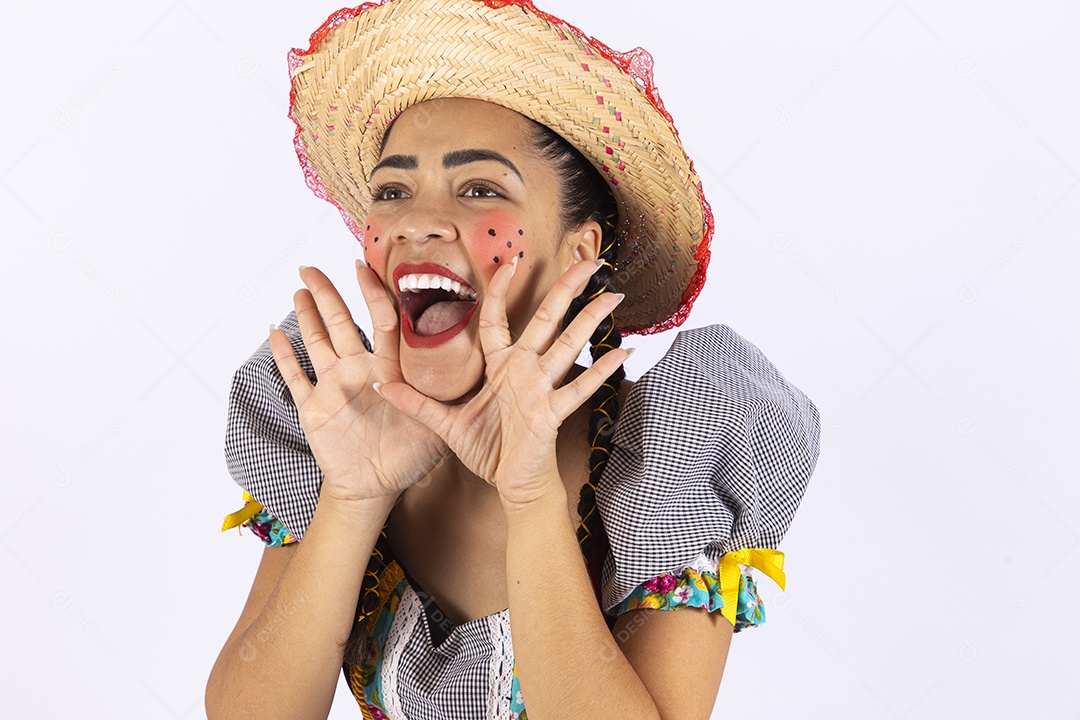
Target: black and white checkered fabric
712	453
265	447
466	676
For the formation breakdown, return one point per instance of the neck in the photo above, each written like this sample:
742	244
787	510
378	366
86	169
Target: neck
475	490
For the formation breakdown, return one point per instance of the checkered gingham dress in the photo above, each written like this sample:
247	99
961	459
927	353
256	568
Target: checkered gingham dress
712	453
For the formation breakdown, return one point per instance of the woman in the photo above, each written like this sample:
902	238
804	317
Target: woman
465	460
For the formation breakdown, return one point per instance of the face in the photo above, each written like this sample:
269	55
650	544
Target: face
457	193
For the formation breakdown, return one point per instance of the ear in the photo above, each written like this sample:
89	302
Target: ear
581	244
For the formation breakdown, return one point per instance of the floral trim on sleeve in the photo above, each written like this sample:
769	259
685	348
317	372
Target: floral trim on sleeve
695	588
269	529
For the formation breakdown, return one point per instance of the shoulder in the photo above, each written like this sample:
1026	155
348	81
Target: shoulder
714	391
265	447
712	452
714	370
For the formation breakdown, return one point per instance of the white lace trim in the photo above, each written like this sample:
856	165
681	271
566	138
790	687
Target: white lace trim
703	564
502	666
409	614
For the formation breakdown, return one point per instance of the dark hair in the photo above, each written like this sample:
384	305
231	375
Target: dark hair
585	196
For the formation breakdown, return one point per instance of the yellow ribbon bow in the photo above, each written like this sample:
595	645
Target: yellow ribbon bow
770	562
241	516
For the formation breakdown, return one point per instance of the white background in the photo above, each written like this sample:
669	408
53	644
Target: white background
897	213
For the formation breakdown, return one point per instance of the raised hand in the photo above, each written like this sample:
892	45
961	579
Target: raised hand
506	433
365	447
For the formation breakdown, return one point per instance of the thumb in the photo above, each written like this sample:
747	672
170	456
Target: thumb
414	404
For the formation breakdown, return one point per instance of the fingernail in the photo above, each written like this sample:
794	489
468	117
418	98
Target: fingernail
273	327
377	387
629	352
620	296
360	263
303	267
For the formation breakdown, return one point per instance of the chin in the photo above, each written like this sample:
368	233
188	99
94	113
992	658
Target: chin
446	373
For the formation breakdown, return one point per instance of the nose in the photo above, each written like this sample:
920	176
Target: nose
424	220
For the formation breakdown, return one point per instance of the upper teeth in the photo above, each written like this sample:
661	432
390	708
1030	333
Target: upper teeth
412	283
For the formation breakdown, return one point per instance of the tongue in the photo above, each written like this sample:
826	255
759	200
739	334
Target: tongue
442	316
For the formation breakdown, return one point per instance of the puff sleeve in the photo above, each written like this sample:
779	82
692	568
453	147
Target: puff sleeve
265	448
711	457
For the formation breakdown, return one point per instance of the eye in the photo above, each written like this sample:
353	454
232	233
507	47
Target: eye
480	190
388	192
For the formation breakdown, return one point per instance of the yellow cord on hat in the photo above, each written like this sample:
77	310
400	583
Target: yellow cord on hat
241	516
770	562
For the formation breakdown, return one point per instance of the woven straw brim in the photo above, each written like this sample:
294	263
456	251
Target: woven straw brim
369	68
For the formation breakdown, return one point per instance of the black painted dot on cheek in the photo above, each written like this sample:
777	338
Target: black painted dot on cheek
521	254
509	244
491	232
521	232
376	239
496	258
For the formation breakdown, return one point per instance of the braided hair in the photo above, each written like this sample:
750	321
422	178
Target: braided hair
585	196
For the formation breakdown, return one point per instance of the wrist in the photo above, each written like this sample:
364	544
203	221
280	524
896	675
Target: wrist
356	509
361	487
350	528
546	498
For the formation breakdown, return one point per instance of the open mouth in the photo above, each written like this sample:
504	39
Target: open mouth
436	304
433	304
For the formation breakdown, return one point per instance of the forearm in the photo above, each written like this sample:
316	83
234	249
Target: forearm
287	661
568	663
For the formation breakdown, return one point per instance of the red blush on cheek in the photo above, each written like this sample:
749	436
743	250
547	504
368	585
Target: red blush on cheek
495	239
375	248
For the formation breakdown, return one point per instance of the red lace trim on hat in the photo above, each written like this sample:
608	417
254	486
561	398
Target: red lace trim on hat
296	59
637	63
703	254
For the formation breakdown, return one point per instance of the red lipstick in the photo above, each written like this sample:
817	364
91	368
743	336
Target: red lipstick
412	339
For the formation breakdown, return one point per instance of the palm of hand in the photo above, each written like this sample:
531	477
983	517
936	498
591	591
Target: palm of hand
364	446
379	437
506	433
510	422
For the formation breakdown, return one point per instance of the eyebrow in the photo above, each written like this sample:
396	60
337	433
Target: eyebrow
401	162
450	160
463	157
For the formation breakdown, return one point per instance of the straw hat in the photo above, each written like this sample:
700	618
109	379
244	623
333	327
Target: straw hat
365	65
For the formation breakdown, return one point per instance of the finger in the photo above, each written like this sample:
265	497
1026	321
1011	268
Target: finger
494	327
546	321
285	358
571	341
313	332
414	404
573	395
384	316
338	321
